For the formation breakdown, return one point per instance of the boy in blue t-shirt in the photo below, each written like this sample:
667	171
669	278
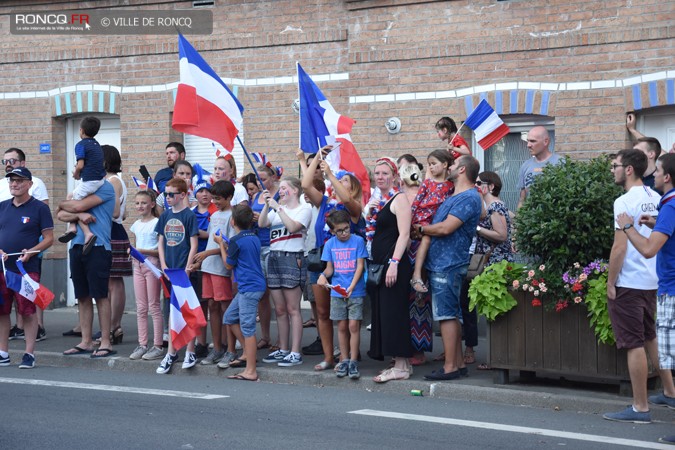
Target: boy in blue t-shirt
177	233
345	255
242	255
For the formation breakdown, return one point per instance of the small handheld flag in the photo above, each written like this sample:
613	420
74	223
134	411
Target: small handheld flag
486	125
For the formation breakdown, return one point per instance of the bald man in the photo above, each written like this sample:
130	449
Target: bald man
538	141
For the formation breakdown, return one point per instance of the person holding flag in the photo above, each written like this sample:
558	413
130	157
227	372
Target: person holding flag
23	221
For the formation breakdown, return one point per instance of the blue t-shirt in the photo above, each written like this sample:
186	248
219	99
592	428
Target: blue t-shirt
177	229
202	224
103	214
162	177
21	227
321	229
243	254
665	258
90	150
452	251
343	255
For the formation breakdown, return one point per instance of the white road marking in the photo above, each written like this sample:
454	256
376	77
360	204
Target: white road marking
108	388
514	429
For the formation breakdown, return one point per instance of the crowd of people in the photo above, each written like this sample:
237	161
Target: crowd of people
265	240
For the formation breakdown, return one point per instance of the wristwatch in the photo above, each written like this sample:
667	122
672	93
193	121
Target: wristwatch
627	227
478	228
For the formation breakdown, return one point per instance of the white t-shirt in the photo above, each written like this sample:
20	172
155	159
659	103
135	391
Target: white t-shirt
146	238
280	238
220	220
240	194
37	190
637	271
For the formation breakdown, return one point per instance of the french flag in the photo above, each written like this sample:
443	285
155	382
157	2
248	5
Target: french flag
186	318
25	286
260	158
140	257
142	185
486	125
320	125
204	105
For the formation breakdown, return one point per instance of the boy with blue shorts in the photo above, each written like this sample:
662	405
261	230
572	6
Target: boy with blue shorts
345	255
242	256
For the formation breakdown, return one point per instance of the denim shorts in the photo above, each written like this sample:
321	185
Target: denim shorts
243	310
346	308
264	256
286	270
446	288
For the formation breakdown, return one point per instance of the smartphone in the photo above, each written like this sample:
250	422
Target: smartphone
144	172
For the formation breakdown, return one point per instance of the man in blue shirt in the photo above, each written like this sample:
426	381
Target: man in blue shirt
661	243
90	273
452	231
23	221
175	151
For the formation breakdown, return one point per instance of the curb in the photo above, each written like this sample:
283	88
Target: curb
506	395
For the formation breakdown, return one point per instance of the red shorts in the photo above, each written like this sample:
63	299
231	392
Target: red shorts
633	316
23	306
216	287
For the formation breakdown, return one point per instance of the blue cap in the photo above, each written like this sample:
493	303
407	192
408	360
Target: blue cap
21	172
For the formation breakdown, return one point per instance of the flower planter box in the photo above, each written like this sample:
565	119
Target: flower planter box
533	340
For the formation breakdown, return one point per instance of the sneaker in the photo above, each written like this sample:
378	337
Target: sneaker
201	351
354	370
629	415
166	364
28	361
315	348
41	334
662	400
292	359
342	369
190	360
153	353
138	352
4	362
275	357
16	333
227	360
667	439
213	357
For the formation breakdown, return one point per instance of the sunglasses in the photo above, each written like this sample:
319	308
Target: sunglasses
172	194
10	161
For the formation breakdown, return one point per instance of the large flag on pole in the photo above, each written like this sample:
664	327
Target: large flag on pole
26	287
204	105
185	314
320	125
486	125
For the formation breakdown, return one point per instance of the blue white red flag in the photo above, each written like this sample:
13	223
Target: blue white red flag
140	257
260	158
186	318
204	105
486	125
142	185
25	286
320	125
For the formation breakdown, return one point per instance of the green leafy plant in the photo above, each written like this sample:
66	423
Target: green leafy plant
596	302
489	292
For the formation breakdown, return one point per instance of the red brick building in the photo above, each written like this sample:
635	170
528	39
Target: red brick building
575	67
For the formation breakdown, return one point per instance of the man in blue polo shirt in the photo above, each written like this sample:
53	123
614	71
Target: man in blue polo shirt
90	273
23	221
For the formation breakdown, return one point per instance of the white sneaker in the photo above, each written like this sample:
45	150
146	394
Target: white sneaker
189	361
138	352
166	364
292	359
153	353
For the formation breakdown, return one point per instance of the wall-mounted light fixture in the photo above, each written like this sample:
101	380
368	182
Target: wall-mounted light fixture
393	125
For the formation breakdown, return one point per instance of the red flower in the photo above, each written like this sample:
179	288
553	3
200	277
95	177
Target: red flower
561	305
535	283
577	287
509	268
536	302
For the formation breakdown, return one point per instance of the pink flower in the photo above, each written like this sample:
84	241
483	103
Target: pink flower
516	284
577	265
542	285
583	277
577	299
531	289
530	273
542	267
536	293
543	289
525	286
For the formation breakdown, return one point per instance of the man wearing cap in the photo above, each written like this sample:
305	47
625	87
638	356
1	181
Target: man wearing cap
23	221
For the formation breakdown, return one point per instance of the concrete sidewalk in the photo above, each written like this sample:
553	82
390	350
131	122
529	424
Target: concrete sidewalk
479	386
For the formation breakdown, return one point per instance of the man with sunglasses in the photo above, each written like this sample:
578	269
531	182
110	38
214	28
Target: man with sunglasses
13	159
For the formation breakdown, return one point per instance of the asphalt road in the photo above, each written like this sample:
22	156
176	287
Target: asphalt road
57	407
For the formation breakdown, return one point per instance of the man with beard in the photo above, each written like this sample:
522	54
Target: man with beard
175	151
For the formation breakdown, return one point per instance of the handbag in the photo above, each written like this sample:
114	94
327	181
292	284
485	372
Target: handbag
375	274
314	263
477	264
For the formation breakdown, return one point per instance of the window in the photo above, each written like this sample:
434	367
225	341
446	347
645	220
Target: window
201	150
658	123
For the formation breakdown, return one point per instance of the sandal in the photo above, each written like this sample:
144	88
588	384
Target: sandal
440	357
274	348
483	366
392	374
263	343
469	357
419	286
309	323
323	365
116	336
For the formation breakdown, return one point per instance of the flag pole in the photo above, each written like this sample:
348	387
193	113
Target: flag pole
456	133
250	161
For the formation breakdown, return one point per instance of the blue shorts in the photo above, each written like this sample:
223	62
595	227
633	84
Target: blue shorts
243	310
286	270
264	256
446	288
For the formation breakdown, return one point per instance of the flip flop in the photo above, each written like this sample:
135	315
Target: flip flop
263	343
238	363
78	351
241	377
106	352
88	246
67	236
